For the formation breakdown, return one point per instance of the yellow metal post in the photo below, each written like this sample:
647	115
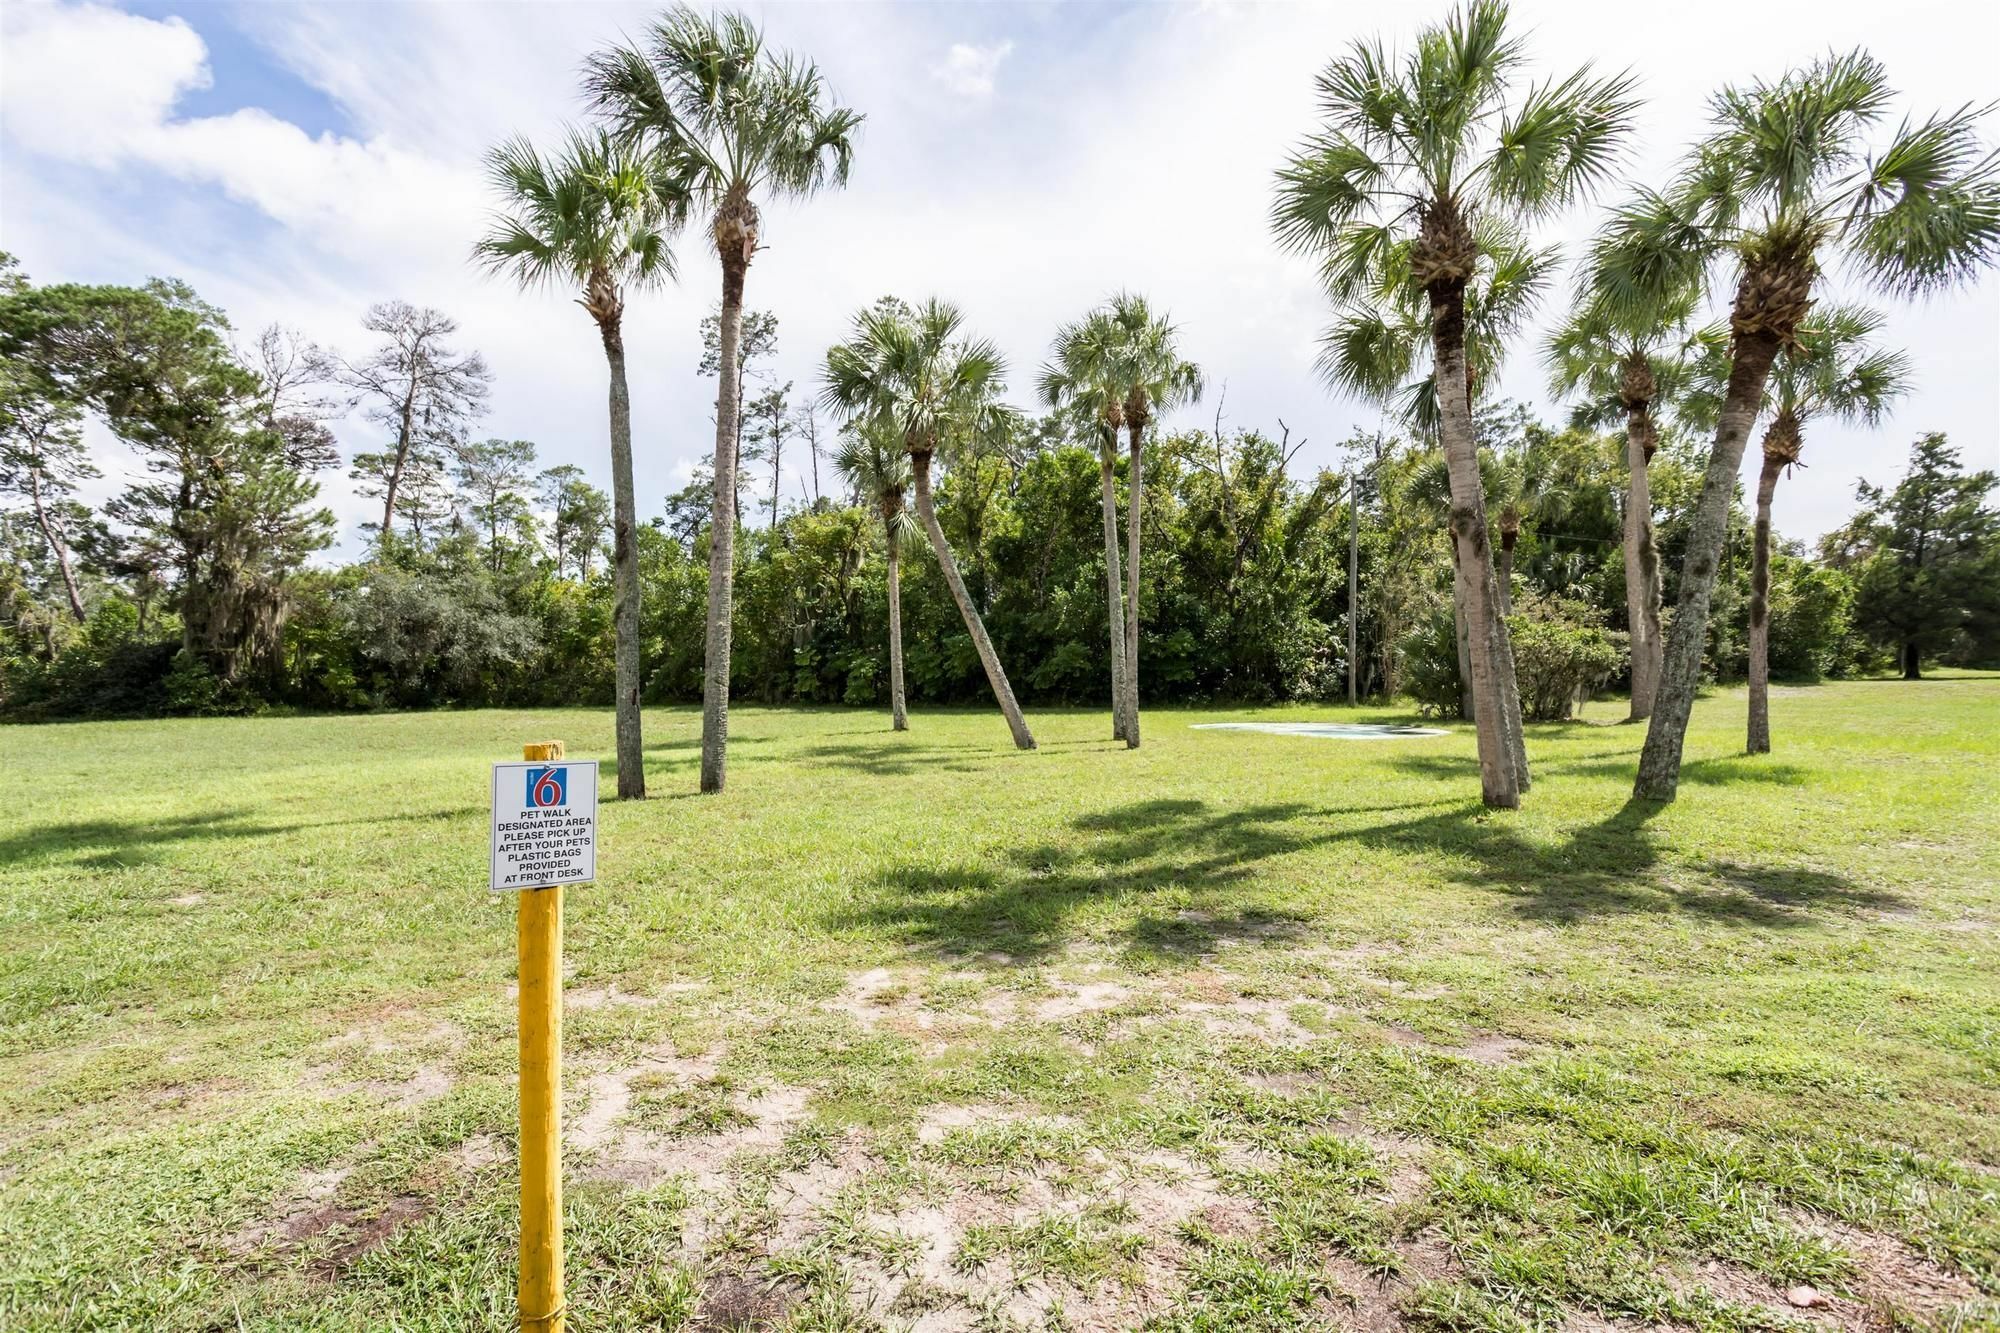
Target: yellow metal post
539	927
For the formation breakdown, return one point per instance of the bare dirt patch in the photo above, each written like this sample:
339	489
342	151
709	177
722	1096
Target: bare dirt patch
312	1192
1374	1302
1491	1048
1087	998
940	1121
640	1158
480	1152
731	1301
1262	1019
362	1232
1891	1276
594	997
609	1093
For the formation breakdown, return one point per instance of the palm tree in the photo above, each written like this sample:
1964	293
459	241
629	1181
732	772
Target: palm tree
1833	371
1415	160
1514	485
733	121
1147	364
1381	348
1428	490
916	375
873	463
1784	184
595	215
1620	367
1081	380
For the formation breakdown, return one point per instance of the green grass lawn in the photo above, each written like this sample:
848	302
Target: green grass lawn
1237	1032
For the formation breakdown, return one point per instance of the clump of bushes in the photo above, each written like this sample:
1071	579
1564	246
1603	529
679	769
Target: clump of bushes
1562	653
1430	665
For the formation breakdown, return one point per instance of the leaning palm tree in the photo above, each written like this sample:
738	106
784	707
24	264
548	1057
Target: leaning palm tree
595	215
1381	348
1833	371
1082	381
734	121
916	375
1147	364
1414	156
873	463
1783	185
1618	368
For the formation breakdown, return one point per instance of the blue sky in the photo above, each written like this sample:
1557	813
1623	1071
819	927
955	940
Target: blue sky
297	162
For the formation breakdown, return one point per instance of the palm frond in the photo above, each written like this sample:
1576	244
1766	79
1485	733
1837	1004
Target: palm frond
1649	258
722	112
1779	144
1562	142
590	208
1926	211
1837	371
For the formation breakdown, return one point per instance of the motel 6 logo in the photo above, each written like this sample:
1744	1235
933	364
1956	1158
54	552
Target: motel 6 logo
547	786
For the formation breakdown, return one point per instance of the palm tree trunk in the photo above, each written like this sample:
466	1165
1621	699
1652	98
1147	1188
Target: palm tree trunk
1135	495
996	676
1113	583
722	535
1642	566
1680	672
1461	632
1759	741
1500	768
1509	677
625	574
898	717
1353	589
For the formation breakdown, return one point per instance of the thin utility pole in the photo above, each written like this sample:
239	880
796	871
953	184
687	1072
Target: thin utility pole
1353	583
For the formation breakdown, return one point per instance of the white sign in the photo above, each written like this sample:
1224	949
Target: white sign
544	824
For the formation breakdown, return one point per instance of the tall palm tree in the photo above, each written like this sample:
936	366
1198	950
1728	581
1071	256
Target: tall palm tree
917	375
1413	157
872	461
1081	379
595	215
1381	348
1783	185
1835	371
735	122
1428	490
1514	485
1619	368
1147	364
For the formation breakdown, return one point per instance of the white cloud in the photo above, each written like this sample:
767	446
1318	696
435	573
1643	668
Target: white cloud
1137	152
968	70
98	86
86	82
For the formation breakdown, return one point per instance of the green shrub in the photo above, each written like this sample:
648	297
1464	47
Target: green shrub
1560	652
1430	665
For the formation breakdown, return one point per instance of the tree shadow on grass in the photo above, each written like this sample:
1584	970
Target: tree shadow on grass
1020	905
694	743
1722	772
895	761
112	844
1609	867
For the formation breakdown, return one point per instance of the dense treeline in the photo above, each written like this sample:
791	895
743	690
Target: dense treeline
193	589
